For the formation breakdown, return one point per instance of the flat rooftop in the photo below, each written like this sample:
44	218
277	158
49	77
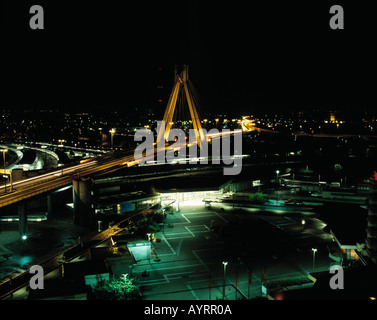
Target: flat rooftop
348	222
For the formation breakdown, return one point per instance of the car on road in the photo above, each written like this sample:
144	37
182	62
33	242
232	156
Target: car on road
293	202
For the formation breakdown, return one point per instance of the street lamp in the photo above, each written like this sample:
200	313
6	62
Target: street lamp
112	131
225	264
61	142
3	151
302	224
314	251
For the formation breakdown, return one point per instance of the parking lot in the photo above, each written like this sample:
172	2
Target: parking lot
192	251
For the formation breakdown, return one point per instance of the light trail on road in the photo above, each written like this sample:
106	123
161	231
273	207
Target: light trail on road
62	176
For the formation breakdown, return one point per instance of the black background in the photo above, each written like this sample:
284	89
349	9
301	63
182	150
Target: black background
241	54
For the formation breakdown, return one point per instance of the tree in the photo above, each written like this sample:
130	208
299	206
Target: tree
117	288
258	197
150	223
338	167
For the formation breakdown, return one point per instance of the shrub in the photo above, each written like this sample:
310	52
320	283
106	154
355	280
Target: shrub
117	288
258	197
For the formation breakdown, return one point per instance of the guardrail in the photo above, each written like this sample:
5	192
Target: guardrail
32	194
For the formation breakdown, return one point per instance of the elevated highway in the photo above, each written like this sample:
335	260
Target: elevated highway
93	167
63	176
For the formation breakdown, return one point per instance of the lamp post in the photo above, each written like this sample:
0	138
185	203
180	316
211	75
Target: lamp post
277	179
112	131
3	151
302	224
314	251
224	264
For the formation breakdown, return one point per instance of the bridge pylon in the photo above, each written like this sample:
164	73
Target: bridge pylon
183	84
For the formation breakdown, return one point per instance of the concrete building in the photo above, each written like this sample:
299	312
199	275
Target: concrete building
347	226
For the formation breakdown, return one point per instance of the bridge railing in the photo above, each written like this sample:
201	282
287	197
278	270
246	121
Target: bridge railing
32	194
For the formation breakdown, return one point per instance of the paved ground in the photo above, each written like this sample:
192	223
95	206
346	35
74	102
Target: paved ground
45	238
191	255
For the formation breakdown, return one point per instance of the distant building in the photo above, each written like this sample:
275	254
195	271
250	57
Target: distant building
363	187
359	284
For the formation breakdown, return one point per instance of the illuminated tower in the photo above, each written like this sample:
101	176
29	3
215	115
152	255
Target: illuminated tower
159	99
182	84
160	86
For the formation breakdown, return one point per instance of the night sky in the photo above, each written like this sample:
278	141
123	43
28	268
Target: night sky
241	55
